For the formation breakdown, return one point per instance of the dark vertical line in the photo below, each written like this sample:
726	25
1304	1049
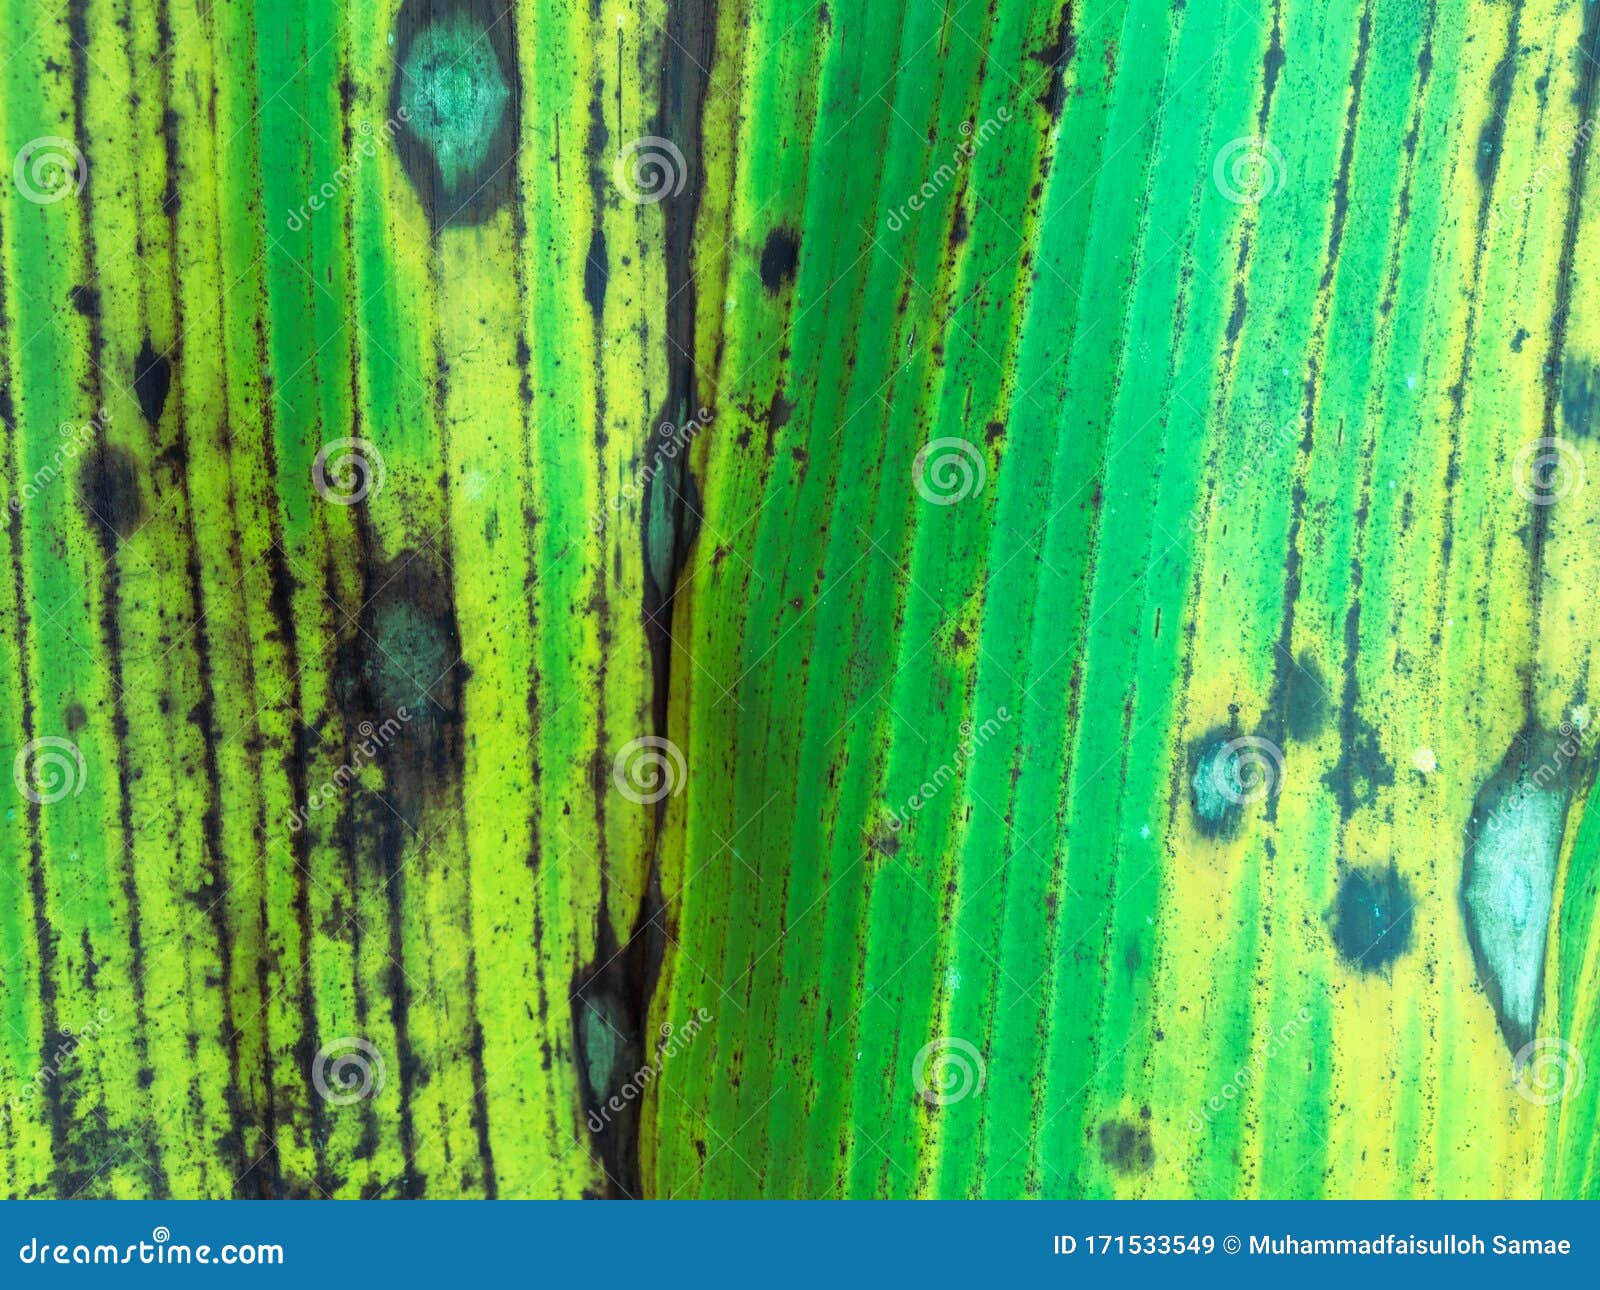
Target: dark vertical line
1577	172
78	37
1283	654
280	603
43	931
530	527
204	717
263	1178
1488	168
282	599
266	1170
480	1077
345	828
367	559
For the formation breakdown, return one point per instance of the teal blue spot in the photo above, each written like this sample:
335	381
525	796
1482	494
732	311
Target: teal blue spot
413	654
454	95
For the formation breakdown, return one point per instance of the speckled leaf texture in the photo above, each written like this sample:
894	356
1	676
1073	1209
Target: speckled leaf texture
879	598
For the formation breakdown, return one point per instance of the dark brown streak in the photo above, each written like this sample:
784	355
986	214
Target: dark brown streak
266	1170
1276	715
110	625
1391	285
1488	169
1271	67
1053	102
530	531
348	831
280	603
480	1077
44	934
232	1144
1577	170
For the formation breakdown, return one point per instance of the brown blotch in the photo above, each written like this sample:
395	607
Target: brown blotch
399	682
1126	1148
108	490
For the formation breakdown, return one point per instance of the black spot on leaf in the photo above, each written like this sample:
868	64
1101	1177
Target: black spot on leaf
1509	871
1372	917
596	273
1226	772
399	681
1056	56
1305	698
86	300
1126	1148
779	259
454	106
108	489
152	379
1580	384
